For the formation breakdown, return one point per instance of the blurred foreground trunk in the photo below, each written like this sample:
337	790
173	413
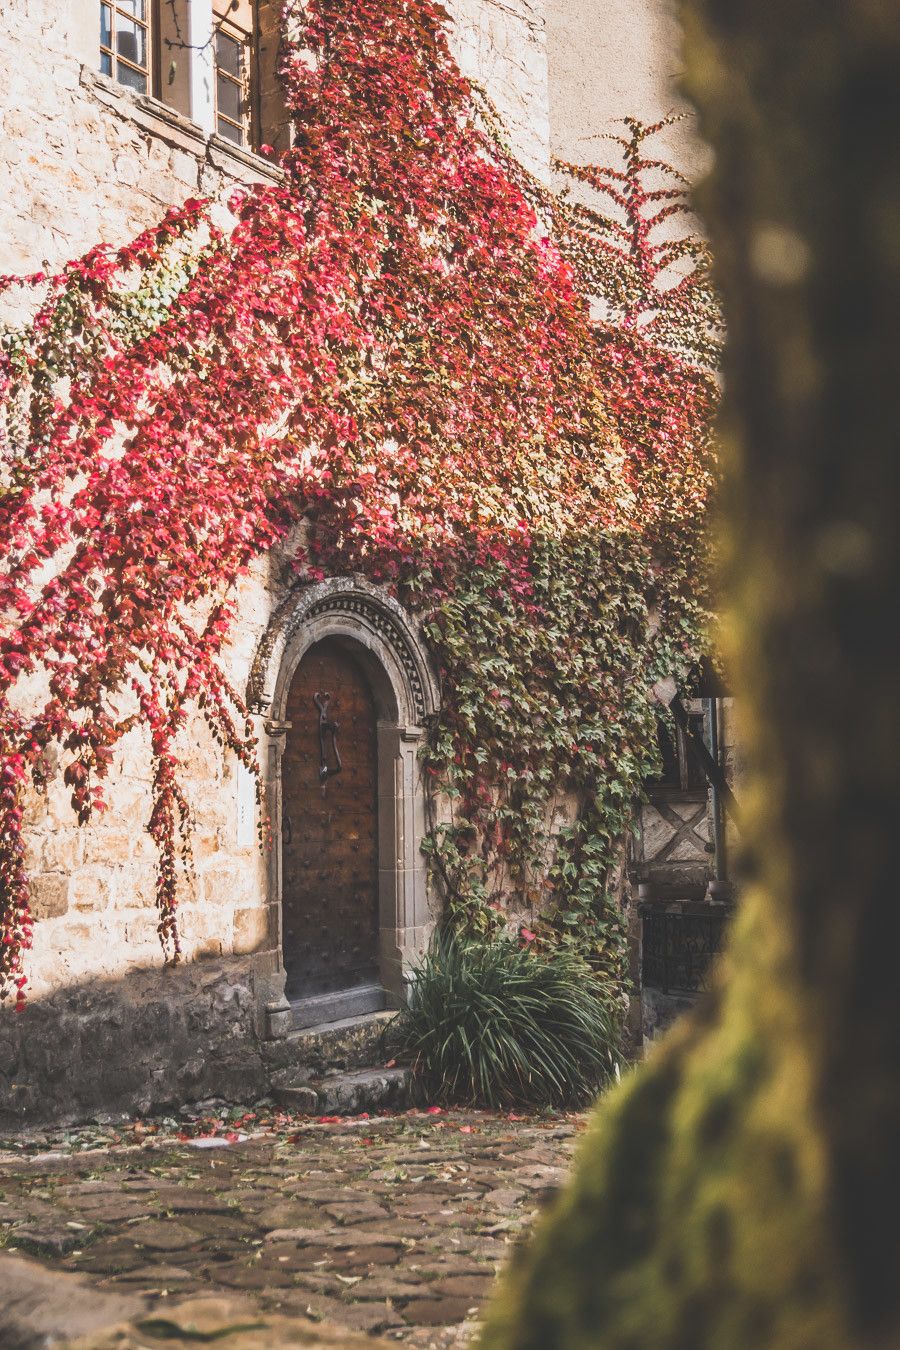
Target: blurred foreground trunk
741	1190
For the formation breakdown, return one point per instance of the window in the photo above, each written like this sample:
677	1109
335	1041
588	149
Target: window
232	81
213	63
125	43
680	770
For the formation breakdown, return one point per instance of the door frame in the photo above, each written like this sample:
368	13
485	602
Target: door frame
386	643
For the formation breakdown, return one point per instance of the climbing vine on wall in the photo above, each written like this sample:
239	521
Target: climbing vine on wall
395	343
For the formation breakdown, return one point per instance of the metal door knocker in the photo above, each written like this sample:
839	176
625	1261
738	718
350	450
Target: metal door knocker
327	727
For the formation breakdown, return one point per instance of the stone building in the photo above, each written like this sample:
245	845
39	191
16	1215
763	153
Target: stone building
113	110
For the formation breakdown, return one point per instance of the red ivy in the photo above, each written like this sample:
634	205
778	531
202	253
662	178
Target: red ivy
386	343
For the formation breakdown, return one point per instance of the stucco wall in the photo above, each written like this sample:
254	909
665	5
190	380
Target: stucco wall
502	45
610	59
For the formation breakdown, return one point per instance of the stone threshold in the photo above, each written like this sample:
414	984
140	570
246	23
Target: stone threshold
329	1008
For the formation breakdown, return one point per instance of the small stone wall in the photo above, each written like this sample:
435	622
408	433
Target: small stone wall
153	1040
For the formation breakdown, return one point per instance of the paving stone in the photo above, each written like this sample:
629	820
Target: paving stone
438	1312
52	1239
401	1236
426	1155
380	1287
537	1178
83	1189
367	1317
425	1205
431	1267
411	1229
489	1248
163	1237
319	1282
110	1209
301	1259
540	1157
360	1258
249	1274
502	1199
290	1214
339	1239
436	1338
326	1195
156	1276
303	1237
109	1256
195	1202
473	1287
37	1214
242	1201
355	1213
222	1226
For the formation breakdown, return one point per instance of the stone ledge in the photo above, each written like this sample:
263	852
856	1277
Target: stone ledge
348	1094
352	1043
159	120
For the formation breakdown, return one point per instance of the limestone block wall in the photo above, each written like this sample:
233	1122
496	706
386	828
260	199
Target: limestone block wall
85	160
93	887
82	161
107	1024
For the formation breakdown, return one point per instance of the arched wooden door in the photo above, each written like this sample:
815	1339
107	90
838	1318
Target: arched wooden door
330	828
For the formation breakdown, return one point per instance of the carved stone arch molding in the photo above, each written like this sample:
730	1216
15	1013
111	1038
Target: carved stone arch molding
388	646
352	607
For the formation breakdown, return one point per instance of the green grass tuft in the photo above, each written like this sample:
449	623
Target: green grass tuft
496	1024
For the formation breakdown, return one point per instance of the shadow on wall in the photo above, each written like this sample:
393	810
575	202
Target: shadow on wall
151	1040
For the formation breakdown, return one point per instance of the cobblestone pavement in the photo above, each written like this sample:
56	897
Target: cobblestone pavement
394	1226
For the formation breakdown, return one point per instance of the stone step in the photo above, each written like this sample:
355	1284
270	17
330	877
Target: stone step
312	1012
347	1094
351	1043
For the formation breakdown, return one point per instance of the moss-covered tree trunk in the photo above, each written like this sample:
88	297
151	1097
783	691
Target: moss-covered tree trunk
742	1188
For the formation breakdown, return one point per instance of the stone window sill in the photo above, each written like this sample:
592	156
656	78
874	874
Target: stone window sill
158	119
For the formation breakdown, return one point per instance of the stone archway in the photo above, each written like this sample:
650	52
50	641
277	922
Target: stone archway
377	638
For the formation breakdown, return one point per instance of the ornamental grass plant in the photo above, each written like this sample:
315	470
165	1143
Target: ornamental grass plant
498	1024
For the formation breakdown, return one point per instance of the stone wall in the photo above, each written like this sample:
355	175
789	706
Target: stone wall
145	1040
85	161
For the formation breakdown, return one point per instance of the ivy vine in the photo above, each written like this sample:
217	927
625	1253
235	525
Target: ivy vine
396	344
